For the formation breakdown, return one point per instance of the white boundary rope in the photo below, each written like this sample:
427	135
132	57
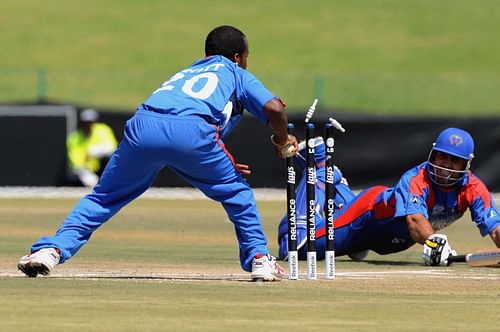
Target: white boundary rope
262	194
177	193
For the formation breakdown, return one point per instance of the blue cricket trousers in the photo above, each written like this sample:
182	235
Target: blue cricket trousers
189	146
363	223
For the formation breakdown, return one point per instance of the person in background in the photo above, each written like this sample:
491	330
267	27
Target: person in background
89	149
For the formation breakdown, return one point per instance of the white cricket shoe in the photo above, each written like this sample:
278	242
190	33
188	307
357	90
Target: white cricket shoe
358	256
42	261
265	268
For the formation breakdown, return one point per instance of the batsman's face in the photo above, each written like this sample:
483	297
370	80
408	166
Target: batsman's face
447	164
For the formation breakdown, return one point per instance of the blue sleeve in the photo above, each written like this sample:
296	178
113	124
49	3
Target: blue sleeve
415	204
253	95
406	201
487	219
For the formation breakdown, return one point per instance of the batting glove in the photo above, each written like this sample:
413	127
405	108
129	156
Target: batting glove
437	250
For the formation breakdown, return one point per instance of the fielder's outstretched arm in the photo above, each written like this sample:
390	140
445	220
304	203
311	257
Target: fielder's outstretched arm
276	113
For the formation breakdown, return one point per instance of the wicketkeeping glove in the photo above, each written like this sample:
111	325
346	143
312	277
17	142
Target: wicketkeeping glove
437	250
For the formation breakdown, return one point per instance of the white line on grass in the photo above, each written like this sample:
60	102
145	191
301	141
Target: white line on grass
401	274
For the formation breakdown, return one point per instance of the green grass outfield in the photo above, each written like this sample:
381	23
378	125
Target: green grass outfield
171	265
390	56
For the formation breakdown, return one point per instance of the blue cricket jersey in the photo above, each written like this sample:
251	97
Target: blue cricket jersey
376	218
179	126
213	88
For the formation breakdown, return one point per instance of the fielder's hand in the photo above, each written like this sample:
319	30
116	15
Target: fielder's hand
243	169
286	149
437	250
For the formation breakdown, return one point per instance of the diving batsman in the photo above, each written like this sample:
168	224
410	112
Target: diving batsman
427	198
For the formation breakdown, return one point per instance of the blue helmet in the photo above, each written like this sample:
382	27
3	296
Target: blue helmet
456	142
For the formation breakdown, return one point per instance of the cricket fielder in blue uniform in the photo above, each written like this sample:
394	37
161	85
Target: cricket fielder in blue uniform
181	126
426	199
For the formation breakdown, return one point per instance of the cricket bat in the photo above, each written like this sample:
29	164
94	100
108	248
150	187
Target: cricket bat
479	259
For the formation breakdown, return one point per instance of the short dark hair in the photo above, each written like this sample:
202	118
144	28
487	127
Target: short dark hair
225	40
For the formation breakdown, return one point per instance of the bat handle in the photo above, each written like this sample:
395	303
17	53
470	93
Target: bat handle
457	259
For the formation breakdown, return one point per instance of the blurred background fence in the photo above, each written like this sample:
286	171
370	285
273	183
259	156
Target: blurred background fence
376	149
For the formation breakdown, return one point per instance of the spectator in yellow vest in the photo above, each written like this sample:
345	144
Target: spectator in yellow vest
89	148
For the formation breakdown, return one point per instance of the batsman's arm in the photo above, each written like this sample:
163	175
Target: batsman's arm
419	227
276	113
495	236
